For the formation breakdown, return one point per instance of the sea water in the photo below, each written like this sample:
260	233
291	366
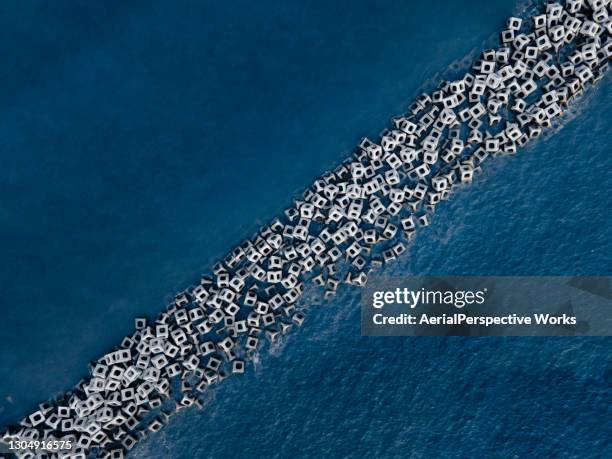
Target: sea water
142	141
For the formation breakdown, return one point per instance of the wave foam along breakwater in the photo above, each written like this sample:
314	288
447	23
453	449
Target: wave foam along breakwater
350	221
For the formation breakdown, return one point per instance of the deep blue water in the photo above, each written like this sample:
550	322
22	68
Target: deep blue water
139	142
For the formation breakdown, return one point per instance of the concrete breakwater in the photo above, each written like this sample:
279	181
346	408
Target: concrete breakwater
356	217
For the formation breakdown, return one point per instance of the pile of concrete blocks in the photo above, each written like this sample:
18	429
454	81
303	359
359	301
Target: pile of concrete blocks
354	219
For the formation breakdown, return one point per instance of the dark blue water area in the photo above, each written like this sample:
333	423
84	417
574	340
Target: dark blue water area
140	141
